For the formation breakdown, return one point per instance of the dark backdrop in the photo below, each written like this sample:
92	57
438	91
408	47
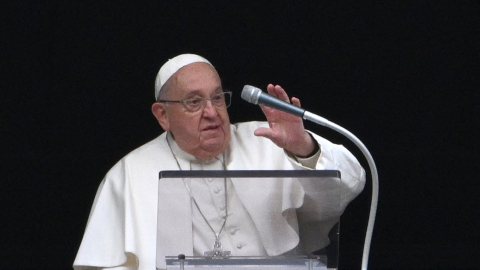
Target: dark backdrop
403	76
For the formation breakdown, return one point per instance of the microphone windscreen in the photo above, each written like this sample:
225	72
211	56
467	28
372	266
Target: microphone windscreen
251	93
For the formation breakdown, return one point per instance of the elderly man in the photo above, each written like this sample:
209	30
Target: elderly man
191	106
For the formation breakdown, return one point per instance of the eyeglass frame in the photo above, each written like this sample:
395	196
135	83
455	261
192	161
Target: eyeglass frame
204	100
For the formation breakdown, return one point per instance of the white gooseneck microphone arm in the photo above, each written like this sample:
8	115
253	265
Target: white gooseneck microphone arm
373	169
256	96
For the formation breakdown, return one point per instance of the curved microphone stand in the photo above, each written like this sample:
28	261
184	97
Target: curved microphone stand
373	169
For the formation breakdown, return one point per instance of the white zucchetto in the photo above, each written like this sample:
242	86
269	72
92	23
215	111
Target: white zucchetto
172	66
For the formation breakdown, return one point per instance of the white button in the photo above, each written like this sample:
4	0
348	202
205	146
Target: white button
233	231
239	246
210	179
222	207
217	190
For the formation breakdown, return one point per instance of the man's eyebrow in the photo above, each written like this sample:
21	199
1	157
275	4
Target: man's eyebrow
193	93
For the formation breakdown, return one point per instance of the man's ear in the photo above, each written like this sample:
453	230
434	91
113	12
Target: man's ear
160	112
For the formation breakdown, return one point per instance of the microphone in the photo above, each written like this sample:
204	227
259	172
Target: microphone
256	96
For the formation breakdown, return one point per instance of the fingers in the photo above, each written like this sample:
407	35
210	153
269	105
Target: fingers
264	132
296	102
278	92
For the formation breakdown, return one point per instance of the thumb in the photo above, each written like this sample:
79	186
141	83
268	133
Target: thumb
264	132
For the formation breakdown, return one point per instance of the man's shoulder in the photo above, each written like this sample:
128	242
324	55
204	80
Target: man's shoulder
142	155
141	159
147	149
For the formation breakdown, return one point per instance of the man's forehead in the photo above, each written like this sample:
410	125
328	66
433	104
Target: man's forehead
196	71
196	77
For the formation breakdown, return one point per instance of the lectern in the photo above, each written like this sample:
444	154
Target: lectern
313	195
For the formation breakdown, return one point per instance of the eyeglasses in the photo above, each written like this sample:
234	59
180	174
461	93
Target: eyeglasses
220	100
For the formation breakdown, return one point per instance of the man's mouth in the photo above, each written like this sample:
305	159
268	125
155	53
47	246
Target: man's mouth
213	127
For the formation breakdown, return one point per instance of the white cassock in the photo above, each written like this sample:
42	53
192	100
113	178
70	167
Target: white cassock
121	232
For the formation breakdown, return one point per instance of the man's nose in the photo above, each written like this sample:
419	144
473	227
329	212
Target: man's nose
209	109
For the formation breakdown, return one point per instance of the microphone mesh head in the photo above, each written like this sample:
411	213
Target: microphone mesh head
250	93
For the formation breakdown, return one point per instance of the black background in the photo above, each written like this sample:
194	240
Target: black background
403	76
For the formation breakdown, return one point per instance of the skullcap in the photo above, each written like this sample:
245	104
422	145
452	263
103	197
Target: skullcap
172	66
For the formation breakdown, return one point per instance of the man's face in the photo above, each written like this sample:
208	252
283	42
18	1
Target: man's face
204	133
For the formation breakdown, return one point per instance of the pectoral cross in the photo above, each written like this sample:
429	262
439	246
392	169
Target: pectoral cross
217	252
